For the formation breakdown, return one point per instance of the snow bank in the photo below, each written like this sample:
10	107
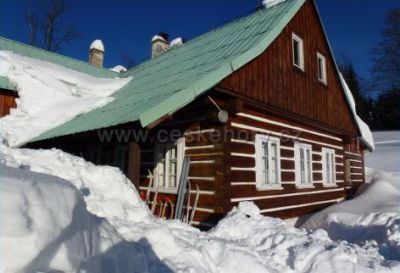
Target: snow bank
45	225
373	215
366	134
244	241
49	95
107	192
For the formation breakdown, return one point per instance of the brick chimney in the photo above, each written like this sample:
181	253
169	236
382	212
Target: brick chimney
96	53
159	44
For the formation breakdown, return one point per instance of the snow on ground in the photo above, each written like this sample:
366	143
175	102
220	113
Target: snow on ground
49	95
386	155
370	218
45	224
112	230
244	241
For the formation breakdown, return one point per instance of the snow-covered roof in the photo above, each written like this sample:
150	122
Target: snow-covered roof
46	87
97	44
366	134
176	42
119	68
188	66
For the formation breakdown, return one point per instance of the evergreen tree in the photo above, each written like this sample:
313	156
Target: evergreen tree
387	110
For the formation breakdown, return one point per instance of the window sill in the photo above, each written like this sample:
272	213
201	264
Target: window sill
331	185
298	68
311	186
322	83
269	188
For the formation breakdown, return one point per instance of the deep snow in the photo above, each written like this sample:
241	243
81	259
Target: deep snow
45	224
386	155
49	95
372	217
118	228
244	241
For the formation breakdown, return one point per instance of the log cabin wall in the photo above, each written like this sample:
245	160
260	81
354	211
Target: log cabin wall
203	145
7	101
272	78
291	200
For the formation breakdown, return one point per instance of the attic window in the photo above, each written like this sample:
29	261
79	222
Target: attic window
321	64
298	51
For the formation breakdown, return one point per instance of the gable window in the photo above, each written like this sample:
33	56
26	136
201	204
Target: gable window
303	164
328	166
321	67
267	161
169	158
298	51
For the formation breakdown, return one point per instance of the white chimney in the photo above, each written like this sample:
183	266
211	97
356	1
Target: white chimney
159	44
96	53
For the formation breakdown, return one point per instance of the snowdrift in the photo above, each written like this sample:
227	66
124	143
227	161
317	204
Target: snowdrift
45	224
49	95
373	216
244	241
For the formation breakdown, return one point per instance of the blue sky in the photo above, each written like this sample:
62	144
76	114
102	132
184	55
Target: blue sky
126	27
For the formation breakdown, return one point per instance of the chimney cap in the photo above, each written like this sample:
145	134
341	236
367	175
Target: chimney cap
97	44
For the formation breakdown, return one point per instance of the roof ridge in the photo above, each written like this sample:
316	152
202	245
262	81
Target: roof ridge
59	55
235	20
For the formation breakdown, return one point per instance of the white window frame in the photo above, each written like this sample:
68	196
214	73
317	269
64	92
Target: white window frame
323	78
308	172
263	182
301	51
328	166
180	153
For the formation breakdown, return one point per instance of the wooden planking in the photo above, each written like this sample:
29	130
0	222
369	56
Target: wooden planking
285	87
7	102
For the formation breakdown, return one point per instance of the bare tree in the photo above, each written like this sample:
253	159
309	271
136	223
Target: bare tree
386	53
47	26
127	60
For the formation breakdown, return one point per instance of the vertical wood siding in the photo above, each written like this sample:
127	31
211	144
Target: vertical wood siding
271	78
7	101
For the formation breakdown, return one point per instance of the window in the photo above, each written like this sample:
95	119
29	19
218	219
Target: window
112	155
328	166
303	164
267	161
169	158
321	65
298	51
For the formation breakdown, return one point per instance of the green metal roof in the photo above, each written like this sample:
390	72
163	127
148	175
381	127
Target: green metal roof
6	84
174	79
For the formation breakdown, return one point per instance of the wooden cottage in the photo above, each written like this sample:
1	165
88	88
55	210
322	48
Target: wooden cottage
257	106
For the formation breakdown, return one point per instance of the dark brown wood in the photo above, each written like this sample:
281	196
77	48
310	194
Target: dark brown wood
134	163
287	88
7	101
